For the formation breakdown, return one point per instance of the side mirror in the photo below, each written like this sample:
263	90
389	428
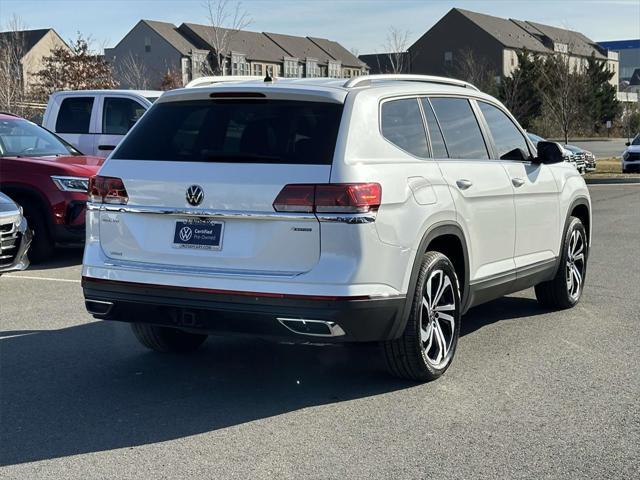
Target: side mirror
627	143
549	152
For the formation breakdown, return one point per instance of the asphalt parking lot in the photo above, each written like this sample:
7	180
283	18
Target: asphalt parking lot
604	147
531	393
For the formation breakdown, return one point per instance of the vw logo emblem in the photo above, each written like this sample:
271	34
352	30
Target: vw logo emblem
185	234
195	195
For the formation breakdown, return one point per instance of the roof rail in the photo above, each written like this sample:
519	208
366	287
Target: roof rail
213	80
364	80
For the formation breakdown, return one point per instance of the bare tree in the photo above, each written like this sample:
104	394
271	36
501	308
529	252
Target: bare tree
132	73
471	68
12	49
396	48
226	19
562	92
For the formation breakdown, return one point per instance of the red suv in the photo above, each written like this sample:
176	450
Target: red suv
49	179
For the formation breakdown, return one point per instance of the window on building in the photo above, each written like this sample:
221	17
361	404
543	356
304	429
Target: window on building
74	115
312	69
448	57
402	125
335	69
460	128
292	68
257	69
239	65
438	148
509	141
119	115
147	44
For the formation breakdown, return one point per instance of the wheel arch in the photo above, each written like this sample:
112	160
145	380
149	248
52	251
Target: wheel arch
448	239
580	208
20	193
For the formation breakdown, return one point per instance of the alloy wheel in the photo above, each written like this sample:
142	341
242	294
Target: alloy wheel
437	324
575	265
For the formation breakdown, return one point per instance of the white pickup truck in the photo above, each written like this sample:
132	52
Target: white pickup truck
94	121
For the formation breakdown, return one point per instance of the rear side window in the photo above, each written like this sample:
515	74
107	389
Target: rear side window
119	115
74	115
402	125
437	140
510	143
236	131
460	128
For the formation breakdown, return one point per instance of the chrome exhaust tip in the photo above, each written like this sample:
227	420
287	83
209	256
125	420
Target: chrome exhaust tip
313	328
98	307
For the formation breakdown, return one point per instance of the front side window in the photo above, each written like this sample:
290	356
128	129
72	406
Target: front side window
119	115
235	131
74	115
22	138
509	142
460	128
402	125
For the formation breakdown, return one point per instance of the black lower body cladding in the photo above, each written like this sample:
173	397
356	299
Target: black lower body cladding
201	310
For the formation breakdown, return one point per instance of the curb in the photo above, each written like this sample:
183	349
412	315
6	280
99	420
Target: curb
612	181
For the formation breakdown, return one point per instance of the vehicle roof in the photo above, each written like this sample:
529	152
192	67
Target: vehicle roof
334	88
143	93
9	116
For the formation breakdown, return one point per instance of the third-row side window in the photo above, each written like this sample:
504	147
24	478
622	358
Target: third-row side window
402	125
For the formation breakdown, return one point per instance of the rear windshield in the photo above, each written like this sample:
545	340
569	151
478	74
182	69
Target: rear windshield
240	131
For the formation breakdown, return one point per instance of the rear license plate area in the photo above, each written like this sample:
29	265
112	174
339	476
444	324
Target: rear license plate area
198	234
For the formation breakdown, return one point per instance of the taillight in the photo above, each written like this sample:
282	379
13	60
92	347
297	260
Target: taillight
329	198
107	190
295	198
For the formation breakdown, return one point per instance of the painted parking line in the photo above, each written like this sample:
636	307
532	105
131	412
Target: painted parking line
27	277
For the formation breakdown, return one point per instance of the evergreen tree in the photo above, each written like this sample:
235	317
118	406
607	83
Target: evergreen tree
600	99
521	91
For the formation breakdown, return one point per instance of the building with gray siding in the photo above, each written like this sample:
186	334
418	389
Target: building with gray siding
188	49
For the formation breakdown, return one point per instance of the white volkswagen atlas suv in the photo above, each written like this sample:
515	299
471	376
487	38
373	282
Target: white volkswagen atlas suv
376	209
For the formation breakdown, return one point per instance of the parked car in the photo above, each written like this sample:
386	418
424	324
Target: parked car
631	156
94	121
579	156
330	210
48	178
15	236
576	160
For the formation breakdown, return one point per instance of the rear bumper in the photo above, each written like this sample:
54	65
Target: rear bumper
326	319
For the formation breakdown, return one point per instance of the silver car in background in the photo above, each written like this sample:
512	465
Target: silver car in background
15	236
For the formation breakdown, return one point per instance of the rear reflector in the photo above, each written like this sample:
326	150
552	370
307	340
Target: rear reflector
107	190
329	198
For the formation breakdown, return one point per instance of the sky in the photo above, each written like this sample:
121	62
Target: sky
359	25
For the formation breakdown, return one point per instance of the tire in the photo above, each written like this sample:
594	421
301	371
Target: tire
419	354
42	245
565	289
167	339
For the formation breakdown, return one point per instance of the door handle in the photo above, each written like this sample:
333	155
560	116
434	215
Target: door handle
106	147
517	182
463	183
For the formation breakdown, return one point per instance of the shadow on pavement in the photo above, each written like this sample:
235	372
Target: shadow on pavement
91	387
62	257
